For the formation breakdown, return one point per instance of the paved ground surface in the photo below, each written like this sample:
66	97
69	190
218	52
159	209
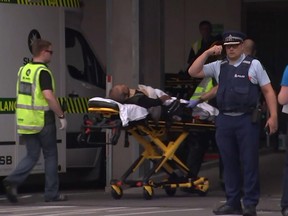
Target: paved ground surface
99	202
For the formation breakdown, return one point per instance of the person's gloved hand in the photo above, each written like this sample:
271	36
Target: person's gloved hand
63	123
192	103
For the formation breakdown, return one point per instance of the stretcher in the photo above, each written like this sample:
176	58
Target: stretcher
152	136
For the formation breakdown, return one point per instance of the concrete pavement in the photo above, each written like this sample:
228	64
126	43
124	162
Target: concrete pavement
98	202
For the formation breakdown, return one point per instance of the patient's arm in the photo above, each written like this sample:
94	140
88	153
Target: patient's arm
146	102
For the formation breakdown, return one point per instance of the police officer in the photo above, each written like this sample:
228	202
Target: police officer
36	107
240	79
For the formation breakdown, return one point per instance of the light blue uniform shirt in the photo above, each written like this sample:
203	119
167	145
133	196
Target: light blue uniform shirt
284	81
257	74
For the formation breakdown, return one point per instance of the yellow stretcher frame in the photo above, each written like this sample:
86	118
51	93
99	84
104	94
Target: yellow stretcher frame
156	150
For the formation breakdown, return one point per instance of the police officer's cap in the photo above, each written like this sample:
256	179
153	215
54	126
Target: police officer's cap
233	37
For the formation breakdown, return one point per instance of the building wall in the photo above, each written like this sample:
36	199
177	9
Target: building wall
94	27
181	26
180	29
181	19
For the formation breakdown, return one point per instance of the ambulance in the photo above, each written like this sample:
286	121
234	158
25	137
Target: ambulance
78	75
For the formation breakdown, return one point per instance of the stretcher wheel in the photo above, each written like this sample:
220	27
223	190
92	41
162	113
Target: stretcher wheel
116	192
148	192
170	191
202	189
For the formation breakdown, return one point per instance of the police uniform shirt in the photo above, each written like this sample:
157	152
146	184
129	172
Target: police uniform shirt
256	73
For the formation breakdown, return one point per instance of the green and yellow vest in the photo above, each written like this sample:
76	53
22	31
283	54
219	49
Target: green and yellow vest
204	86
30	103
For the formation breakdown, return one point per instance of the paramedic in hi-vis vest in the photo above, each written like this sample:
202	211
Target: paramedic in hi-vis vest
206	40
240	79
198	143
36	108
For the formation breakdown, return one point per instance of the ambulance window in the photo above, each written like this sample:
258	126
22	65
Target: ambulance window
81	61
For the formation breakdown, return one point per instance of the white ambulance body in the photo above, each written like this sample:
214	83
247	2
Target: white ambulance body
77	74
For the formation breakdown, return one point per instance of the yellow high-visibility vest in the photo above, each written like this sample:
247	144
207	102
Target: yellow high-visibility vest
30	103
197	46
204	86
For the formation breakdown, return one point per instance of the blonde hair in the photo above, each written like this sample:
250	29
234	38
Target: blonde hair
39	45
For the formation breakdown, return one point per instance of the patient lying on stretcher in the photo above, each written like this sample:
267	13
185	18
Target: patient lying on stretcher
159	104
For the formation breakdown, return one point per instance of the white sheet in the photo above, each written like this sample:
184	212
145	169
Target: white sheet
127	112
155	112
132	112
204	111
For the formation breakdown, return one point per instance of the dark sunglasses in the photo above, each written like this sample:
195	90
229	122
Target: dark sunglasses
234	46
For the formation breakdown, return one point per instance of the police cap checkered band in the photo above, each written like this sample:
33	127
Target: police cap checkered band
233	37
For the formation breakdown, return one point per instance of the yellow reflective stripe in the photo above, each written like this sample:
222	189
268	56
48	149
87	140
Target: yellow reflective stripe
70	105
75	105
31	106
103	110
204	86
21	127
24	106
84	104
55	3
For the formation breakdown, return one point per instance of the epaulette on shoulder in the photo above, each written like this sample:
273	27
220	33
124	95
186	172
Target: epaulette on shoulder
246	61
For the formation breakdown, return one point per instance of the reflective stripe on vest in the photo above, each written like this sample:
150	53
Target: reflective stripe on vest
30	128
33	107
204	86
30	107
